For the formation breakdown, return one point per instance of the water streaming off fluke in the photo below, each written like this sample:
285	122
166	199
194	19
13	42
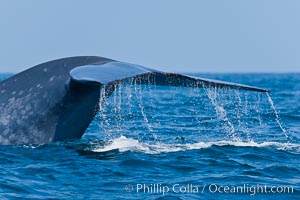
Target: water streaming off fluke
233	115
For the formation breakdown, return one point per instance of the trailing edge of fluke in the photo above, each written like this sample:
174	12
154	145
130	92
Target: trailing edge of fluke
57	100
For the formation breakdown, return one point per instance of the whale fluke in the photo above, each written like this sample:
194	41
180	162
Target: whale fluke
112	72
57	100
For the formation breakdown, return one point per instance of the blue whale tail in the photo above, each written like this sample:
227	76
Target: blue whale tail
57	100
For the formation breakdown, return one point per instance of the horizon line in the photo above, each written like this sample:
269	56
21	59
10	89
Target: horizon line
208	72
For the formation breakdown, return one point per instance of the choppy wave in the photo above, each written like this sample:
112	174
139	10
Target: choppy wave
174	135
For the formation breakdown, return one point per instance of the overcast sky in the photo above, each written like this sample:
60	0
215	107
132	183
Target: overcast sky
186	36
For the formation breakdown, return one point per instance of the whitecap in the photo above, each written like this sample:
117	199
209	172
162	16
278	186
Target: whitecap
124	144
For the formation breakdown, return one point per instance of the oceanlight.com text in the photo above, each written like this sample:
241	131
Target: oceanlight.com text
212	188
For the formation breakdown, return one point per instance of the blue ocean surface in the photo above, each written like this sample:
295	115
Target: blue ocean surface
155	142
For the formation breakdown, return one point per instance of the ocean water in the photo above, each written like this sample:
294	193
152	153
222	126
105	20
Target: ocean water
154	142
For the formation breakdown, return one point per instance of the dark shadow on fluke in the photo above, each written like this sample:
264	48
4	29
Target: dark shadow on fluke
57	100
